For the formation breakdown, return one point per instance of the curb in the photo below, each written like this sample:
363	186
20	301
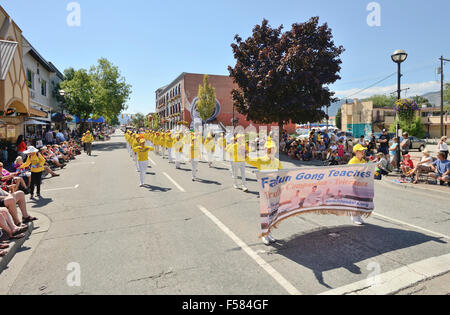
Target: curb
15	246
413	187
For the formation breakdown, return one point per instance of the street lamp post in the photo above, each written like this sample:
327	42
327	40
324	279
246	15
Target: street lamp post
62	93
399	56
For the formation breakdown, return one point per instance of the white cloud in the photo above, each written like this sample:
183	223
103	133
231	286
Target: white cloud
414	89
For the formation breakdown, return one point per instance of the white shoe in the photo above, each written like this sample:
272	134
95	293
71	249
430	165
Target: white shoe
141	185
271	239
244	188
357	220
265	241
235	186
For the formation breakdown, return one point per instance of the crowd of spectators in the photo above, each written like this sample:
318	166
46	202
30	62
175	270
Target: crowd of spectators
327	147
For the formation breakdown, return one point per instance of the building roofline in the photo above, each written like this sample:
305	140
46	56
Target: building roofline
182	75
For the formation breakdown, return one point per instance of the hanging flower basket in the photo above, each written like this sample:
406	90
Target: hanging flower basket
406	109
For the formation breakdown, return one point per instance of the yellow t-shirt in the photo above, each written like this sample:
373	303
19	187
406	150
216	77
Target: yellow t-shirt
142	152
237	152
355	160
36	163
265	163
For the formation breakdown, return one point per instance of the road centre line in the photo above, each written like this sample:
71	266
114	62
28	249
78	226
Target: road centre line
411	225
263	264
174	182
153	162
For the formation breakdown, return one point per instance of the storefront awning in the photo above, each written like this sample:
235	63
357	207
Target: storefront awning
7	51
37	113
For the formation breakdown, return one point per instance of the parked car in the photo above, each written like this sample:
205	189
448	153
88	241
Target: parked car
418	144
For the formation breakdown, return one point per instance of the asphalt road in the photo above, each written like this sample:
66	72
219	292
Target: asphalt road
161	240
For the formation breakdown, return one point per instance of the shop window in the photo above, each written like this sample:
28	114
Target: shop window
30	79
43	88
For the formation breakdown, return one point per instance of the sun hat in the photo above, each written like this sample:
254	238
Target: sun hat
359	147
426	152
30	150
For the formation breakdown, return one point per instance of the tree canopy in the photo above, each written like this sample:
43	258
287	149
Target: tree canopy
206	104
101	92
283	77
382	101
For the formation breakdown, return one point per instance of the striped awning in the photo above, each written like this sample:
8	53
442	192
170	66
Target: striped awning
7	51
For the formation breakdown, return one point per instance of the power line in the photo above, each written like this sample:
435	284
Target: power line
375	84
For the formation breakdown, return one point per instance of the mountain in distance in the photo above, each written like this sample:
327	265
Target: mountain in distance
434	98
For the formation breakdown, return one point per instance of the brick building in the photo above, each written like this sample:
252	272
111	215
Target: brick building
176	102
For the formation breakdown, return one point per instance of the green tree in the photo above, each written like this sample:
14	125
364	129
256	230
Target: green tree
111	90
382	101
156	123
79	94
138	120
415	129
422	101
284	77
447	97
206	104
339	119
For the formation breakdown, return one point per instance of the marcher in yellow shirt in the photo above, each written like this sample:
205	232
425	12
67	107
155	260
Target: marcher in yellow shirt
178	146
36	163
88	139
237	152
195	154
141	151
269	162
209	147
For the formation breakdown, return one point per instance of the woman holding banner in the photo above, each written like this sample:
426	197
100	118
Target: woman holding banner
360	153
267	163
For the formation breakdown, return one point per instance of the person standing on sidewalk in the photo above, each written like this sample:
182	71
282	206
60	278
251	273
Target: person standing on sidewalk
88	139
142	156
36	162
443	146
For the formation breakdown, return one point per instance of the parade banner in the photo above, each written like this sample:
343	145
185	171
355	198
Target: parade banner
339	190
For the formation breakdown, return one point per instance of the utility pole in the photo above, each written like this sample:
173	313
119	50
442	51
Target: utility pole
442	59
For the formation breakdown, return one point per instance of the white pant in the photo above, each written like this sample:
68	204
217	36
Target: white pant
177	159
236	166
169	150
135	159
143	165
194	169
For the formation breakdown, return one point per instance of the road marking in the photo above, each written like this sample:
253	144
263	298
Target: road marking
396	280
263	264
174	182
65	188
411	225
84	163
153	162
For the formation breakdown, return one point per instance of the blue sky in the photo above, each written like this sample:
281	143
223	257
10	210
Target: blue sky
152	41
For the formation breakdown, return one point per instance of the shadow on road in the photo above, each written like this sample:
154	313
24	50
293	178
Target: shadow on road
343	247
108	146
156	188
205	181
40	203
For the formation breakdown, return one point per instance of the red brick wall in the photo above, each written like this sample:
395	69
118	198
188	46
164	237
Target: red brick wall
223	86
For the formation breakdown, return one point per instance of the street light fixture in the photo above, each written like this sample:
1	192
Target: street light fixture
399	56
